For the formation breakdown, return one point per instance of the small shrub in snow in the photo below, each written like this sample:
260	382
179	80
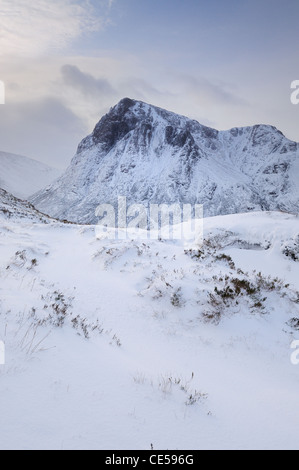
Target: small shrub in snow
139	379
58	307
294	323
195	254
195	397
58	312
34	263
167	384
291	249
213	316
116	341
231	289
227	259
19	259
251	293
176	298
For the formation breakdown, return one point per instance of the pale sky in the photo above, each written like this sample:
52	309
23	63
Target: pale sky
226	63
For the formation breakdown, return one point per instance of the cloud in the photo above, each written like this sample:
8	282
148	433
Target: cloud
143	89
33	28
100	89
209	92
93	87
90	96
44	129
88	85
54	102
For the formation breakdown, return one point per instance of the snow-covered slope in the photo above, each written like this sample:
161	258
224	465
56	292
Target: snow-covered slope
124	345
152	155
16	210
23	176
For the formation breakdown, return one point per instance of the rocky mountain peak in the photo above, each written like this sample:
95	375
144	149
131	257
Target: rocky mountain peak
151	155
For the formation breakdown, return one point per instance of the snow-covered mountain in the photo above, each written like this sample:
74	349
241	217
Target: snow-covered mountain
151	155
22	176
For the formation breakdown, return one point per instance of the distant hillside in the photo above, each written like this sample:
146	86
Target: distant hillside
22	176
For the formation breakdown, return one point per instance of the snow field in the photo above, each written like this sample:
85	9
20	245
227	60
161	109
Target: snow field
118	345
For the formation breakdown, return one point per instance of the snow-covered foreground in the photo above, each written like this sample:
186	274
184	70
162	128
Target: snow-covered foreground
124	344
